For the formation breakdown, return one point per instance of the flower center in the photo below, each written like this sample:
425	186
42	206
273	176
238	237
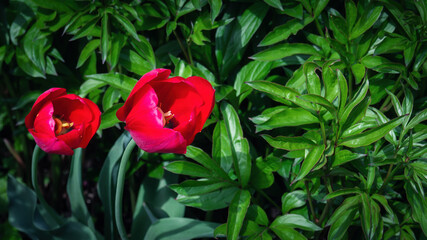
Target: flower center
167	116
62	126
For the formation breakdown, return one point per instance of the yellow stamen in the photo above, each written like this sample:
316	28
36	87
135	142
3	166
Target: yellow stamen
62	126
166	116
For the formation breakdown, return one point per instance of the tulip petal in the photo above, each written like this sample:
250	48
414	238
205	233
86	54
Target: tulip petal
179	98
153	75
145	111
43	122
74	137
51	145
72	108
161	140
41	100
93	125
204	88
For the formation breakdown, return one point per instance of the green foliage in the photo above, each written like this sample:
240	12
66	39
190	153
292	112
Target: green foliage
318	130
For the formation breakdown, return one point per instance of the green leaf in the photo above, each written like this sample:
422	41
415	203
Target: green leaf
344	156
343	92
117	80
358	71
339	28
312	79
20	23
419	117
283	117
111	96
368	18
188	168
62	6
391	44
350	14
240	145
310	161
26	65
118	199
104	37
322	102
257	214
372	135
117	43
87	51
128	26
294	221
22	203
274	3
87	28
211	201
285	50
221	147
106	185
199	187
203	158
254	70
396	103
35	46
342	192
282	32
89	86
383	201
358	97
280	91
109	118
289	143
383	65
342	218
293	200
236	213
215	8
75	191
133	62
320	5
231	39
155	201
144	49
357	114
262	173
285	233
180	229
29	97
331	85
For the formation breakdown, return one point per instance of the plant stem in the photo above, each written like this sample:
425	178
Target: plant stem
389	176
319	28
324	212
182	46
322	127
51	217
268	199
310	201
119	189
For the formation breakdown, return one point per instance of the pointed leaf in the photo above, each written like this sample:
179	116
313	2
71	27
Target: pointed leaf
285	50
372	135
310	161
236	213
289	143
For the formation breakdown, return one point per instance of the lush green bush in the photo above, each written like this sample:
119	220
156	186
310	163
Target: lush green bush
318	130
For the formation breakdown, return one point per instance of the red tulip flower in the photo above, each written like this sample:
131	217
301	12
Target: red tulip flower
61	122
164	114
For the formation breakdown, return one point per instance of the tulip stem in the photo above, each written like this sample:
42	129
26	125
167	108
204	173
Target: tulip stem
182	47
49	215
119	189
